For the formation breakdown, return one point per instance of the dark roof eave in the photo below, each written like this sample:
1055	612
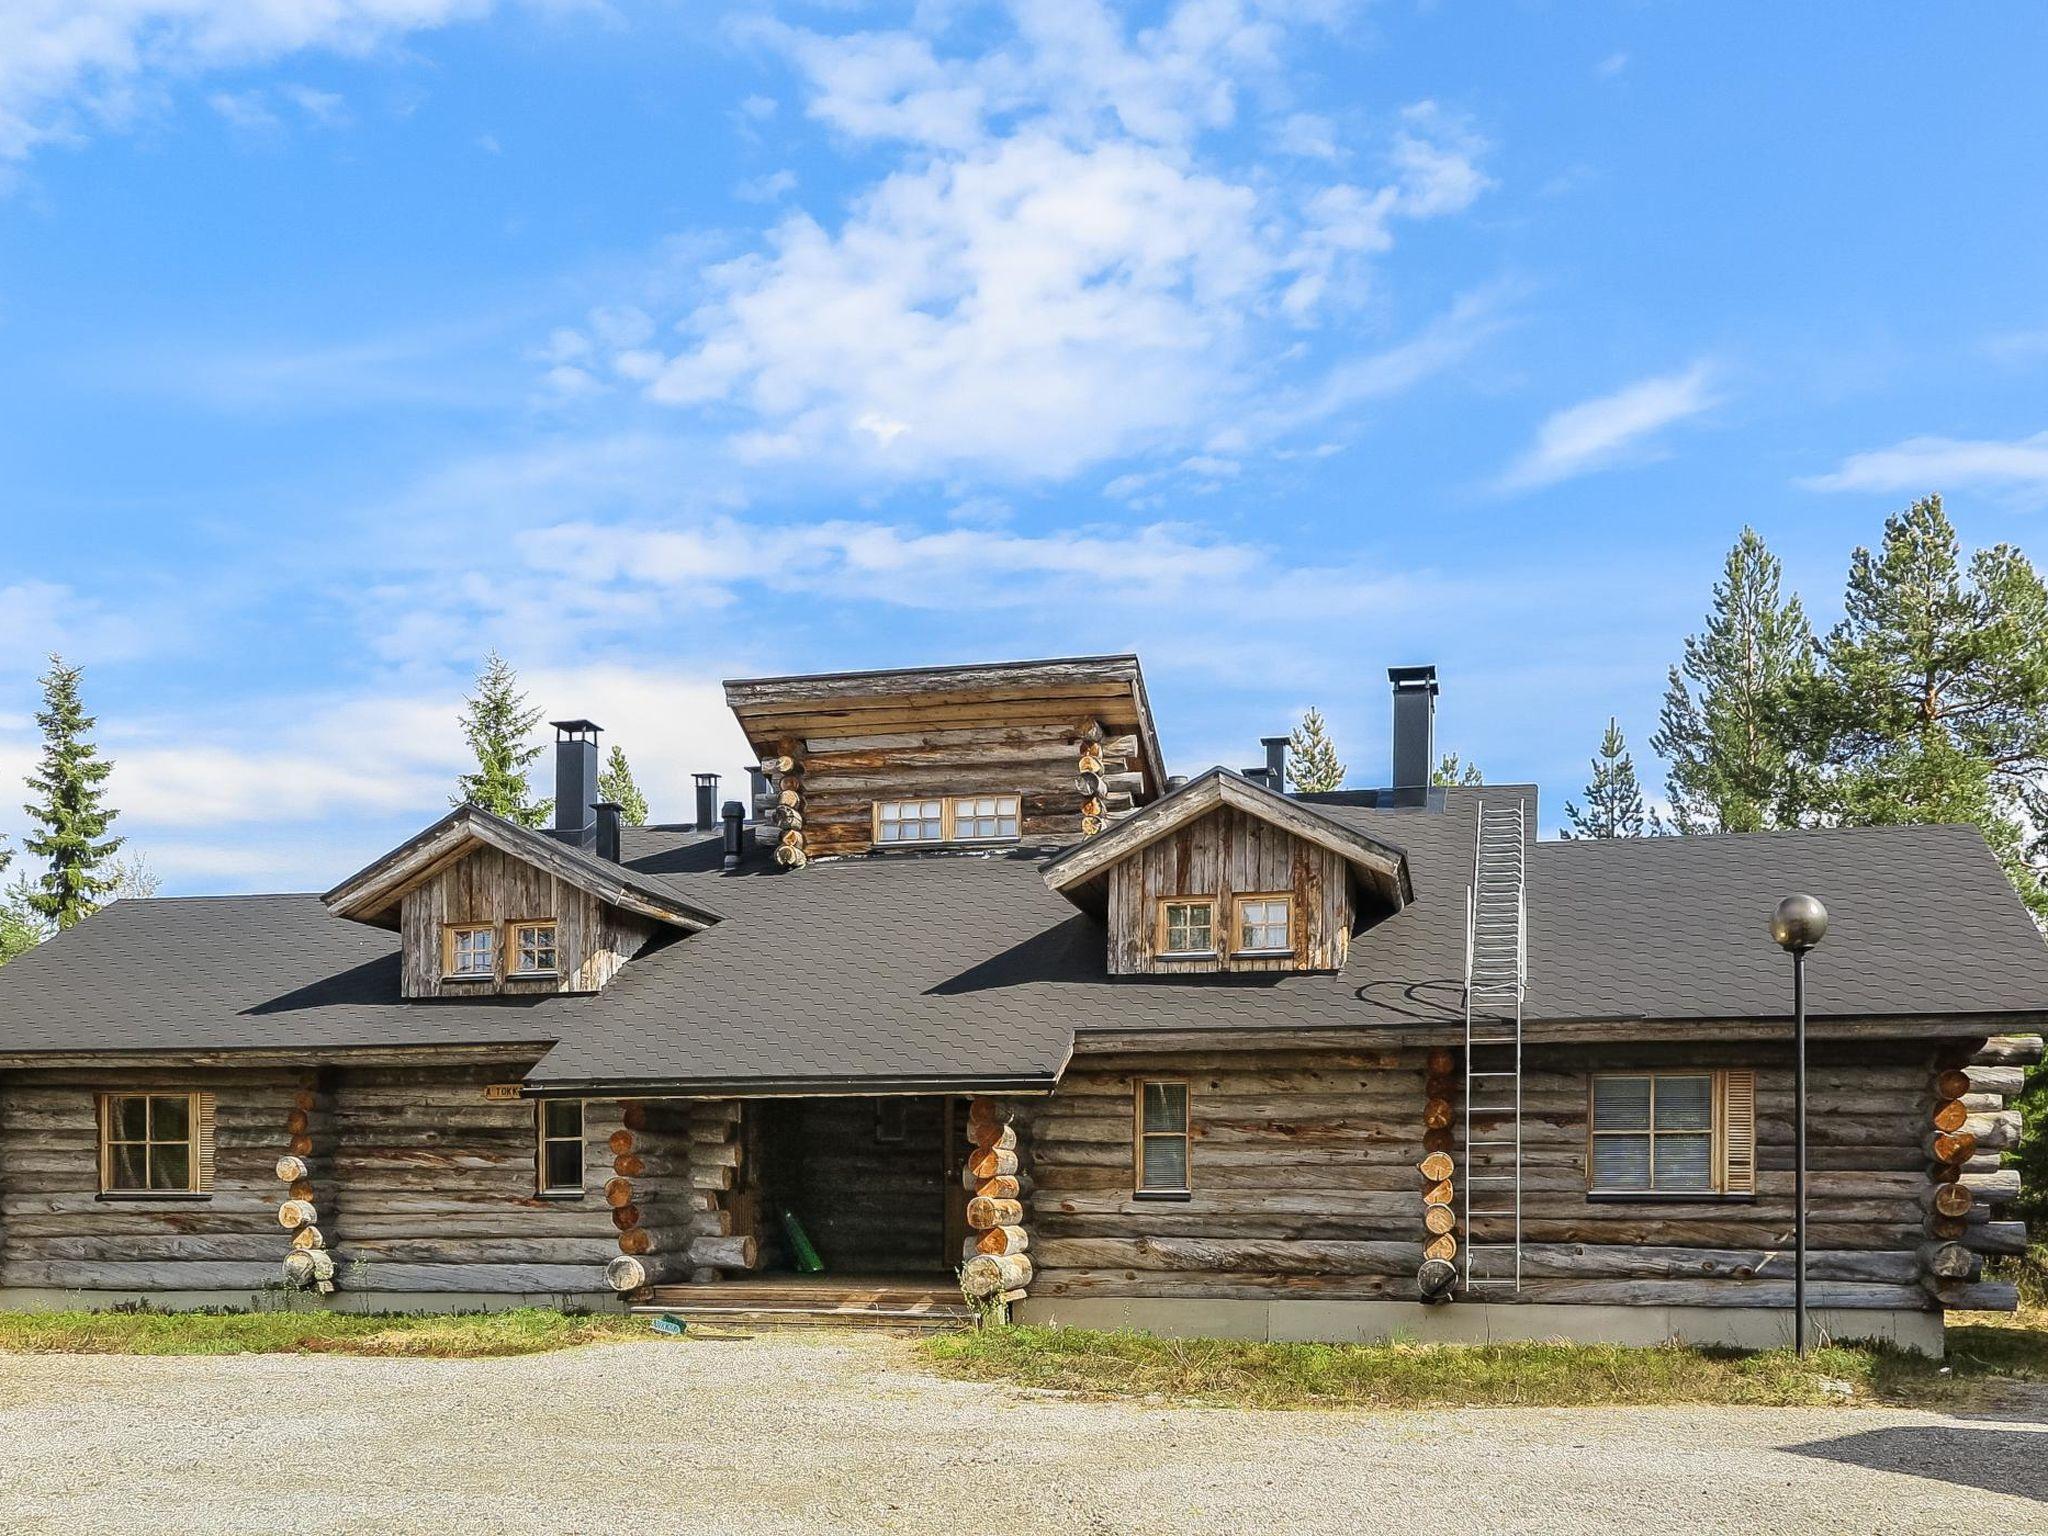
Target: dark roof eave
790	1087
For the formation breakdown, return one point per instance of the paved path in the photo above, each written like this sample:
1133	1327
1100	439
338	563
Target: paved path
845	1433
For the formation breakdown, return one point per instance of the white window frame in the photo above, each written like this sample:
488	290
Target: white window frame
948	813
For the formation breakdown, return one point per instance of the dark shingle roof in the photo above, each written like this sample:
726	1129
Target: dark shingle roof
949	969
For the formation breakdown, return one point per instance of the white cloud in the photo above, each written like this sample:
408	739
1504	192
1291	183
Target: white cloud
68	64
1060	269
1597	434
1923	464
2025	346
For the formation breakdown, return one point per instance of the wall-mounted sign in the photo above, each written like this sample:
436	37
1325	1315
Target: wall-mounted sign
499	1093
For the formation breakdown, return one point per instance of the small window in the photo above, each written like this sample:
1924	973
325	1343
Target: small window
1679	1133
561	1146
1162	1149
533	949
1265	925
910	821
469	953
984	818
891	1119
1187	928
156	1143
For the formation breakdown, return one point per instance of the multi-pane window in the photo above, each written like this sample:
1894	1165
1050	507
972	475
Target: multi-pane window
149	1143
470	951
1654	1133
1264	923
533	949
1187	928
910	821
1162	1139
561	1146
984	816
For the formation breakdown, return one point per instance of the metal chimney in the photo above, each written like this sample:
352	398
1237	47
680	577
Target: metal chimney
1414	732
707	800
757	791
575	775
611	821
1276	762
738	837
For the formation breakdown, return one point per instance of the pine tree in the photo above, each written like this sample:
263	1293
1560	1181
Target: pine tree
1450	770
69	782
1614	796
1312	762
1732	722
497	724
1934	697
615	783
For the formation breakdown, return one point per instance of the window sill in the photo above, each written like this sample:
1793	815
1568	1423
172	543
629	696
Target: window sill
533	976
1191	954
561	1194
151	1196
1162	1194
1262	954
469	976
1665	1197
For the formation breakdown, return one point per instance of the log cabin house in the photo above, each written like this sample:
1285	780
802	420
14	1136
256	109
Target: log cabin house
973	994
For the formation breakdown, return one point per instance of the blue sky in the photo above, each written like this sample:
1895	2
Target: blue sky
658	343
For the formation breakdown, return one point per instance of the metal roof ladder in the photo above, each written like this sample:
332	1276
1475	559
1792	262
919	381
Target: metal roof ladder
1496	976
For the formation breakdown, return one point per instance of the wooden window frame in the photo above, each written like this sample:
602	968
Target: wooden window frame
448	933
512	948
1160	925
1140	1190
1731	1131
542	1140
198	1143
949	819
1292	950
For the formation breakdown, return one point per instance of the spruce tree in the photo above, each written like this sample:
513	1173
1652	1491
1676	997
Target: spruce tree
1312	762
1732	726
615	783
1934	696
497	724
69	782
1614	796
1451	770
22	928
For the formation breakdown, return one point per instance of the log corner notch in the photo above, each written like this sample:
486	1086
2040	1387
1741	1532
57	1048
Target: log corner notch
1104	776
1971	1124
1437	1278
305	1171
683	1158
784	803
996	1268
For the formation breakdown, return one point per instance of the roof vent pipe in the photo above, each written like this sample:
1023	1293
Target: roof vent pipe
611	821
707	800
575	775
737	836
1414	732
1276	762
757	791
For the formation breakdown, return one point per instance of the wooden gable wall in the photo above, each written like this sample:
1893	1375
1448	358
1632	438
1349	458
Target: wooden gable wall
1226	854
485	886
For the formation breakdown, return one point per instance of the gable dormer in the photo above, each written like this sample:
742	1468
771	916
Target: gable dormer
1032	753
1224	875
485	907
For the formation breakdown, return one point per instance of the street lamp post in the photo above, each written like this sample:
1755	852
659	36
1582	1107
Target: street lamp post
1799	924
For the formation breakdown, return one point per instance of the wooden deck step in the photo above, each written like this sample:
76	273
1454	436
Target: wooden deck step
813	1301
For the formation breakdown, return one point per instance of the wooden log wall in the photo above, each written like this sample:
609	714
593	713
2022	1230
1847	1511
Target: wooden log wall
867	1204
1969	1128
305	1167
997	1263
1304	1163
1059	770
672	1162
717	1184
1220	856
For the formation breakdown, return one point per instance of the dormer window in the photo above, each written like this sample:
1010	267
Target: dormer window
1265	925
1187	929
469	952
533	949
951	819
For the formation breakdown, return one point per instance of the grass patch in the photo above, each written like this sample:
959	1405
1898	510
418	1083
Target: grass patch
450	1336
1250	1375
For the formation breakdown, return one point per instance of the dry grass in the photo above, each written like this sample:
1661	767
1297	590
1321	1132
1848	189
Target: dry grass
455	1336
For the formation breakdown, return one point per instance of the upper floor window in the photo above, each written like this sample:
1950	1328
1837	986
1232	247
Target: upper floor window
1265	925
469	951
951	818
1187	928
156	1143
533	949
1673	1133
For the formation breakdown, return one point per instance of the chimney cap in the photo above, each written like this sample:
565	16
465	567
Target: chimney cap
566	730
1276	741
1407	678
704	778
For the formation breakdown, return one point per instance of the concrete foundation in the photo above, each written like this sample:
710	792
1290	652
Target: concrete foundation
22	1298
1476	1322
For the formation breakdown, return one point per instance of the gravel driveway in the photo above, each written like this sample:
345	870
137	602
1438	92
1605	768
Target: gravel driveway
846	1433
